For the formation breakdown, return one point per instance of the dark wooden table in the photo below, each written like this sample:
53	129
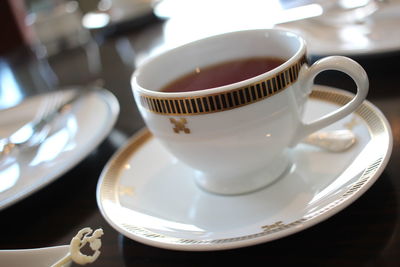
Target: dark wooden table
364	234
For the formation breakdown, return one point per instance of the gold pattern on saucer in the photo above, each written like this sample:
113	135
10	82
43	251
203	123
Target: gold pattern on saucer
352	123
225	100
125	190
268	227
180	125
111	179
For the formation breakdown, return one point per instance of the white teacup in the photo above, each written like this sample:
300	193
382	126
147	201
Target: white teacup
238	136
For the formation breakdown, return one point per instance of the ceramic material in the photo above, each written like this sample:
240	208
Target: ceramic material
161	205
38	257
242	130
366	37
335	141
59	256
89	123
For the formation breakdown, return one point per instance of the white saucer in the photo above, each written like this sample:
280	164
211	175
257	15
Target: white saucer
90	122
380	33
150	197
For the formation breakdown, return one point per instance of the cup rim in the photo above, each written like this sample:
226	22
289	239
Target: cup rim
301	52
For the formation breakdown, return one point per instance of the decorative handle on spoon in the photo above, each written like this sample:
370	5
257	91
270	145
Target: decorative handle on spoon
77	243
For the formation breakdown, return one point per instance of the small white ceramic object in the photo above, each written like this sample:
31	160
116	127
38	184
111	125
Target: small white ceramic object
335	141
148	195
238	136
89	123
59	256
37	257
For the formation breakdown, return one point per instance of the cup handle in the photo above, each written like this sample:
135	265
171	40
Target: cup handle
339	63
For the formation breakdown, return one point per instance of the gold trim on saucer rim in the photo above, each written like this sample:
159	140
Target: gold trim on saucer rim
109	179
226	100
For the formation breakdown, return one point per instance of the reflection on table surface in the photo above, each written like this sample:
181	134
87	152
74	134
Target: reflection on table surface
365	233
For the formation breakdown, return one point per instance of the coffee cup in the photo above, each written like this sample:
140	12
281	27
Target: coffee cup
237	137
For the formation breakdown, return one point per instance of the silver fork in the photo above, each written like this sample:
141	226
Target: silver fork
35	132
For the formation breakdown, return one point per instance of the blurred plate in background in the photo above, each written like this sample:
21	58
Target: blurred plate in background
90	122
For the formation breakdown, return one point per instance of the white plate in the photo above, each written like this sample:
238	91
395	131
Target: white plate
149	196
380	33
90	122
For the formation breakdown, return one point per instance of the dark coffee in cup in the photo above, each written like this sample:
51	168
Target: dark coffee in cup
222	74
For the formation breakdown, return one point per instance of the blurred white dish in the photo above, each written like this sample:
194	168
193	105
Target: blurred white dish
149	196
377	33
111	12
89	123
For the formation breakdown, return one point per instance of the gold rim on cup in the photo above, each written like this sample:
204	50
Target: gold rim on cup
227	100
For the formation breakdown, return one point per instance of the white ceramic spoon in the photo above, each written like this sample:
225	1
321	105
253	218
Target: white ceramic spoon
59	256
334	141
38	257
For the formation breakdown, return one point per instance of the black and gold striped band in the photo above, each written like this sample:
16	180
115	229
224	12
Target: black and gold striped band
225	100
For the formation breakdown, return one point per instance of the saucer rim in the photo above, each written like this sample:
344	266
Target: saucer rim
107	184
